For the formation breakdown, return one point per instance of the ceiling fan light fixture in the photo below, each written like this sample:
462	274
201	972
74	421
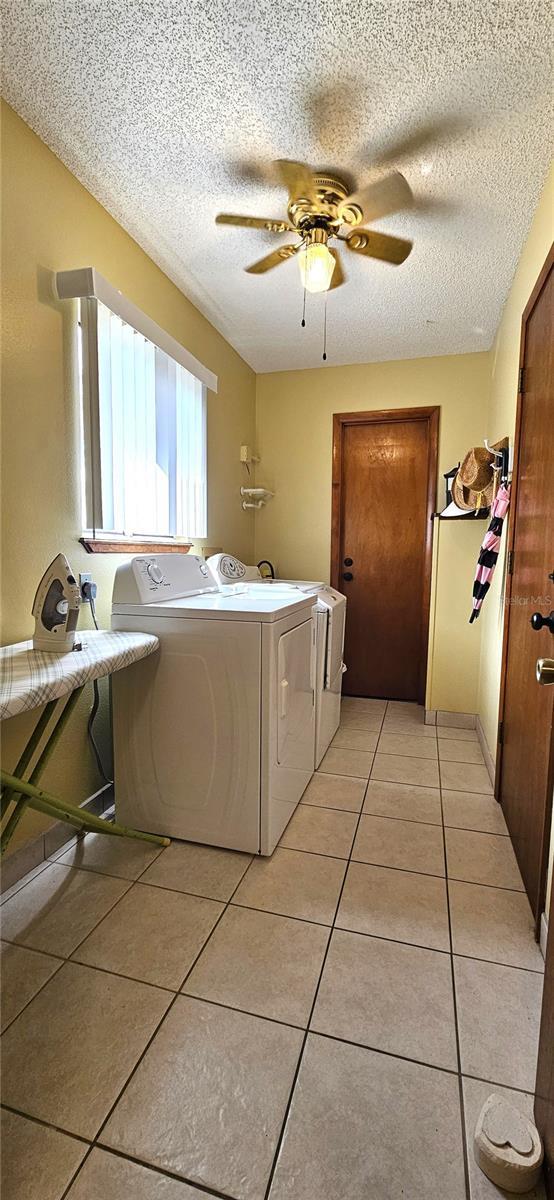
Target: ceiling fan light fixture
316	266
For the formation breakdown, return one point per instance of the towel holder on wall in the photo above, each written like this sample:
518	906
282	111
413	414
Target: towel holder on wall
256	497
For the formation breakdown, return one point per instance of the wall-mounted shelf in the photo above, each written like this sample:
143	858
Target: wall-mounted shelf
501	451
458	514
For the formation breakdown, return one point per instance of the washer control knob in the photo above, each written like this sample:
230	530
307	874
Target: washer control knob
155	572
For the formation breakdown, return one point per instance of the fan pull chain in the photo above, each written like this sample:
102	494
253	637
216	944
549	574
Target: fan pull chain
303	322
325	330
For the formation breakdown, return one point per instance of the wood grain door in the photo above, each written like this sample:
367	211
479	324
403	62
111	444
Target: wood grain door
384	484
524	778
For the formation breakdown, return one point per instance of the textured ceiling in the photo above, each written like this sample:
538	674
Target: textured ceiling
154	103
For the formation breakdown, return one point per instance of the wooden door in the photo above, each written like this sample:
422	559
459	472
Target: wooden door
384	486
524	776
544	1087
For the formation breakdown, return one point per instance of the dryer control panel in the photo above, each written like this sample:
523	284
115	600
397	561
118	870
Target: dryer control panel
227	569
149	578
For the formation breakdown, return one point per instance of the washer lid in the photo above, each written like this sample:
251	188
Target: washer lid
238	606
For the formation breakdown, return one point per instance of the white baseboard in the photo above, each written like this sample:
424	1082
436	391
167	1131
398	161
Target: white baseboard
456	720
487	754
32	853
459	720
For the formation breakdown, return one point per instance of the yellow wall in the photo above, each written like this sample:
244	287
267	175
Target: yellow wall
294	441
501	423
51	223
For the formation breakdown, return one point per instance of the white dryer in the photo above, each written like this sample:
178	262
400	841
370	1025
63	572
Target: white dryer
330	620
213	736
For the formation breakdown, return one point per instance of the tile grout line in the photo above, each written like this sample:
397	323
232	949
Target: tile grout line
161	987
19	1112
145	1049
69	958
228	903
412	820
332	1037
203	1189
281	1137
138	879
132	883
61	959
455	1006
249	1012
61	962
11	892
65	959
317	854
349	860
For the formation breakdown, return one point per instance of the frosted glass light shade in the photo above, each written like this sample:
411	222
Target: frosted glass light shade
316	267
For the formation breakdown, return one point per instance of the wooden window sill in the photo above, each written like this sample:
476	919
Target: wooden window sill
131	546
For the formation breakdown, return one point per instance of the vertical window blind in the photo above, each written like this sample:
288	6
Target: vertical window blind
149	444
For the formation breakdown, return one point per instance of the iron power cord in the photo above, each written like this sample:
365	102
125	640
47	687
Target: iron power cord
89	594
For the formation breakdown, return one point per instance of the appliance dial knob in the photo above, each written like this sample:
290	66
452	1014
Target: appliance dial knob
155	572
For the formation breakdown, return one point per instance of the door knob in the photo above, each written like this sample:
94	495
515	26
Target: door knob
348	576
545	670
538	621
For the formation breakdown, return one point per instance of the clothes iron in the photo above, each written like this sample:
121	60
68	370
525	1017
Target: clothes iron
56	608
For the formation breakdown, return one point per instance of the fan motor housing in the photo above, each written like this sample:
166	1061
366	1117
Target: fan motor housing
324	211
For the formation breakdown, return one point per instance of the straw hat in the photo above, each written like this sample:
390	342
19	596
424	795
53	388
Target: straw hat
473	486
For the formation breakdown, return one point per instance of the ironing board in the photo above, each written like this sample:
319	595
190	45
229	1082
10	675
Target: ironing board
32	678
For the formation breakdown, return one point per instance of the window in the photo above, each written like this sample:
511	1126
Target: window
151	437
144	421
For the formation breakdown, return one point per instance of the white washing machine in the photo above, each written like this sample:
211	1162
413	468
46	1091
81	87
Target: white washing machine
213	736
329	619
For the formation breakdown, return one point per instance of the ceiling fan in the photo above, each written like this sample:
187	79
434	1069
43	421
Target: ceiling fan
321	208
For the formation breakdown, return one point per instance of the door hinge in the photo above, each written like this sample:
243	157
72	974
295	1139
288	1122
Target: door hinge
521	380
501	733
510	562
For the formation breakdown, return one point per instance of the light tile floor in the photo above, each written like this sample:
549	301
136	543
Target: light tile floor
321	1025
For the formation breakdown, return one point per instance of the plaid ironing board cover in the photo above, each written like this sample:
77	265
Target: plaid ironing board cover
29	678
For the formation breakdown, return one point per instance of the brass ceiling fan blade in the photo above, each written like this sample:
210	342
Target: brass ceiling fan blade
379	245
338	277
273	259
270	224
329	109
384	196
251	170
428	136
297	178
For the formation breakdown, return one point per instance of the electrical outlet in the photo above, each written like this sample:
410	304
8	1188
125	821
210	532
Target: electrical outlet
84	577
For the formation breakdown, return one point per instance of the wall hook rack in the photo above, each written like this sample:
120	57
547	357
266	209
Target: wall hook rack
501	451
255	497
503	465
